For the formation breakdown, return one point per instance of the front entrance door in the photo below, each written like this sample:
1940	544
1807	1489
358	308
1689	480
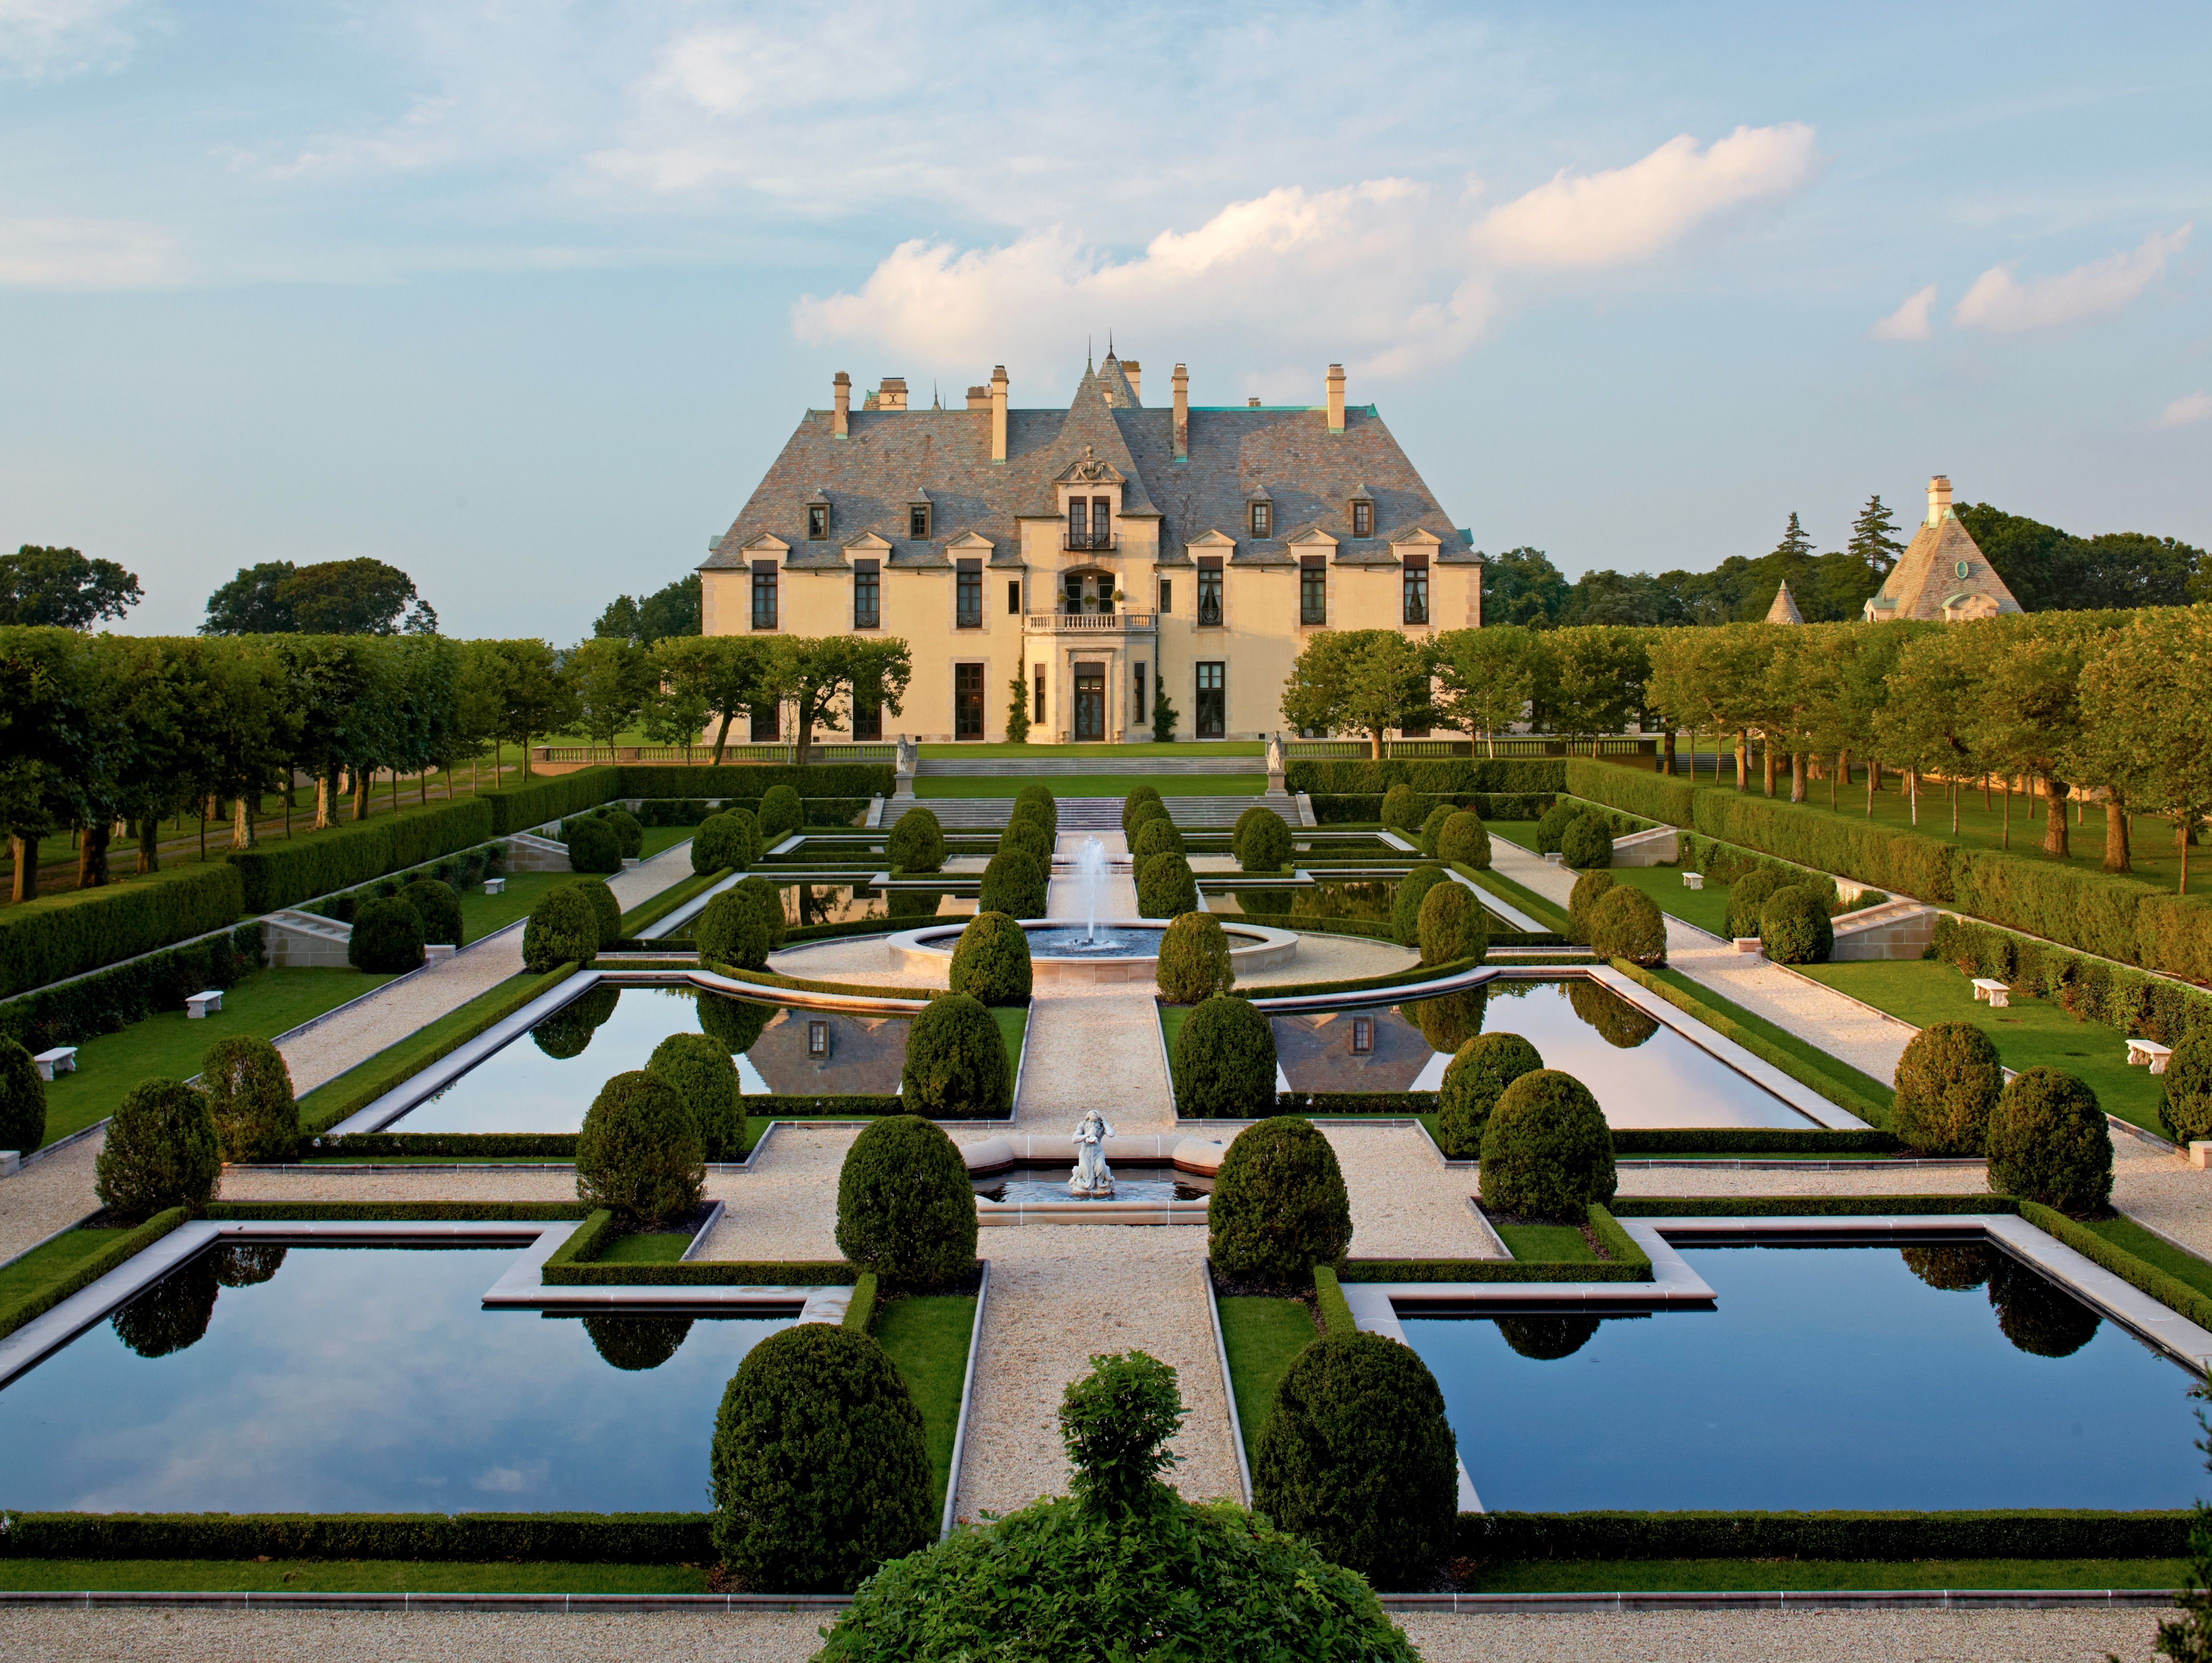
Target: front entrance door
1089	701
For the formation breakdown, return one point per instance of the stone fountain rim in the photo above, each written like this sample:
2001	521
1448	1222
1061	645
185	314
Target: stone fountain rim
1261	943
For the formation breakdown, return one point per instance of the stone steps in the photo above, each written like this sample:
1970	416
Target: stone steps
1092	814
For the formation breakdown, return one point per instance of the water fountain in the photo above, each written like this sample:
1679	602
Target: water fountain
1090	868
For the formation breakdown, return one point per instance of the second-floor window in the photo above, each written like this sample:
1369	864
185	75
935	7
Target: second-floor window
1263	520
1167	595
868	595
1209	589
1417	589
1078	521
764	594
969	611
817	521
1013	596
1313	591
1363	519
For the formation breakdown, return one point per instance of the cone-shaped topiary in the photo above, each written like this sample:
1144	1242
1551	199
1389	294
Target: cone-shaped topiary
1626	923
387	937
438	908
1619	1023
1013	884
1547	1152
1747	898
593	848
1224	1061
1358	1458
1794	927
1552	826
1947	1082
1194	961
636	1343
161	1151
2185	1105
733	1024
1157	837
905	1207
956	1063
249	1092
767	902
640	1151
1029	837
730	931
1401	808
1464	839
2048	1143
916	843
1039	820
1590	888
628	831
782	813
697	1068
1474	1079
719	844
606	911
1262	843
1453	926
1165	888
1405	905
1279	1205
1450	1020
1432	826
992	962
820	1470
566	1031
1142	794
22	1100
1587	843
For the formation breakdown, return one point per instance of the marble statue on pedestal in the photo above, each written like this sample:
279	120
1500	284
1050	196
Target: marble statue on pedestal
1092	1176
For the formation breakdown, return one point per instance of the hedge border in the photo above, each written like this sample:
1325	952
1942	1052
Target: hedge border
84	1273
528	1212
109	1000
2051	1533
2139	1274
704	1273
1417	975
615	1538
1630	1263
1335	1310
656	908
78	932
1805	1206
861	1309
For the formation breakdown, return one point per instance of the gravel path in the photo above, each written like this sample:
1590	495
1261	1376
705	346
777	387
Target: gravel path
865	962
1333	958
786	1207
1406	1203
1907	1636
46	1196
1095	1048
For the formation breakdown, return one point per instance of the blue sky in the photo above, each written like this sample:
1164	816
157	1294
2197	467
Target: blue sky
523	299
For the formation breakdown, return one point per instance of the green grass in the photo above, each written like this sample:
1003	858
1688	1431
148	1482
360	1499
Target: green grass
1699	1575
2125	1233
1093	785
419	1044
1172	1017
1196	748
1807	1057
51	1263
646	1248
168	1044
1546	1243
1707	908
1262	1337
2028	1033
928	1340
1014	1022
347	1577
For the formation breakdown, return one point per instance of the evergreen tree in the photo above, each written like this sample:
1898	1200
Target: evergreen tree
1795	545
1874	538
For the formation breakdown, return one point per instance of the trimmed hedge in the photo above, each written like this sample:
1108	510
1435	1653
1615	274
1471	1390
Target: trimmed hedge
109	1001
1627	1263
1948	1082
640	1151
1801	1206
23	1099
1330	1304
66	935
916	843
706	1273
519	808
161	1151
80	1277
1405	905
1794	927
1165	888
1419	973
1368	778
1547	1151
1474	1079
249	1091
1194	963
991	960
861	779
1654	796
387	938
2052	1533
285	872
1013	884
956	1063
1223	1064
617	1538
905	1208
1626	924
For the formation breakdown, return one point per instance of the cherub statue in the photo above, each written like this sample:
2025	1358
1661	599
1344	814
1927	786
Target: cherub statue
1092	1176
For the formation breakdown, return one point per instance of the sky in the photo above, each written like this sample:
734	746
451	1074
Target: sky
523	299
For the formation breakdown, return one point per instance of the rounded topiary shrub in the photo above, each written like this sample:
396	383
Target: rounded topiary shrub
751	843
1262	843
566	1031
1358	1458
697	1068
1450	1020
719	844
1165	888
1157	837
1194	962
22	1100
730	931
1747	897
1137	813
1013	884
1431	827
767	902
1405	905
782	813
956	1063
1628	924
1947	1082
249	1092
161	1151
1587	843
1474	1079
821	1474
1464	839
991	962
2048	1143
2185	1104
1401	808
1142	794
916	843
639	1152
1029	837
606	911
1619	1023
905	1207
1280	1206
1224	1061
1453	927
1590	888
733	1024
1038	796
628	831
386	939
1547	1152
593	848
1794	927
438	908
1552	827
2037	1315
636	1343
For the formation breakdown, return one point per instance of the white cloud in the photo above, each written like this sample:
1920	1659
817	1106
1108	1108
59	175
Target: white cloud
41	38
1909	322
75	253
1630	213
2000	302
2187	411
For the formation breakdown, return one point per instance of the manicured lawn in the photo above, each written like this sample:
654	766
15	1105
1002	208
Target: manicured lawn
348	1576
1809	1060
646	1248
1546	1243
483	913
1093	785
1687	1575
1172	1017
50	1262
1014	1022
1206	747
1261	1336
2124	1233
2028	1033
1707	908
168	1044
928	1340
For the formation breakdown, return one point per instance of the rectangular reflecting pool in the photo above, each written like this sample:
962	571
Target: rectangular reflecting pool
1642	1072
1370	899
544	1080
260	1379
1854	1377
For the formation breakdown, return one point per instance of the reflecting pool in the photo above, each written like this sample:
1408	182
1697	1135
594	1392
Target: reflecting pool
368	1379
1873	1377
1370	899
544	1080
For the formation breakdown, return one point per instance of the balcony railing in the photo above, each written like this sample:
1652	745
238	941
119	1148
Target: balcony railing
1087	543
1519	744
1092	623
701	755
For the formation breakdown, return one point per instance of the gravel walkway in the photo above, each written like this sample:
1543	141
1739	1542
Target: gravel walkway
1095	1048
46	1196
1907	1636
1406	1203
1334	958
865	963
786	1207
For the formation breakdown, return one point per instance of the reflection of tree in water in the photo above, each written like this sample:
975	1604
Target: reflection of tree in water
1449	1022
1546	1338
246	1264
566	1033
1273	903
733	1024
914	903
2036	1314
1367	901
637	1342
1957	1268
174	1312
1619	1022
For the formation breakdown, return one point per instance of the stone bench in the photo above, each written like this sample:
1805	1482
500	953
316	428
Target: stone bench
203	1004
494	886
1998	995
1749	945
61	1059
2151	1051
1693	880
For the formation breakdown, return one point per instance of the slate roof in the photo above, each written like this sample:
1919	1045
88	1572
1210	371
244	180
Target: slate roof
1311	475
1926	576
1784	610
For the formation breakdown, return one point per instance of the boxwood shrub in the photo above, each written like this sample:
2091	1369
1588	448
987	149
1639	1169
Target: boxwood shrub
2048	1143
1165	888
1747	898
719	844
249	1091
767	902
1453	926
562	929
439	908
1194	963
1142	794
1627	924
916	843
699	1070
1586	843
22	1100
1464	839
606	911
1474	1079
1947	1082
1401	810
1262	842
2185	1103
906	1210
628	831
1590	888
730	930
1405	905
1224	1061
1552	826
1794	927
1547	1152
1144	809
1013	884
992	961
1157	836
161	1151
956	1063
1279	1205
592	847
782	813
387	937
641	1153
1038	796
1029	837
1427	839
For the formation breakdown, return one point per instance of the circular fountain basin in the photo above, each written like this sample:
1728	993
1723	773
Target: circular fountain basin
1116	949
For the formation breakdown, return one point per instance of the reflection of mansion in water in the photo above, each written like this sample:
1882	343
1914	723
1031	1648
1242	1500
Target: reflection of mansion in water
1349	1051
810	1053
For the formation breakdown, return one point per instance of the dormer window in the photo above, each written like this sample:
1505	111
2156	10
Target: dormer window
817	521
1363	519
1263	520
917	522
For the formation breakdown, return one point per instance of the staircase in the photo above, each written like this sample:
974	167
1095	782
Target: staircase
298	940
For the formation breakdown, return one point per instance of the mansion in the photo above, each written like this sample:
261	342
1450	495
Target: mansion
1104	555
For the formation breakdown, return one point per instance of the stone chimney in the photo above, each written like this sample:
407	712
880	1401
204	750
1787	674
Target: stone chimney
1939	499
979	399
1134	371
891	396
998	413
1181	414
1336	399
841	405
